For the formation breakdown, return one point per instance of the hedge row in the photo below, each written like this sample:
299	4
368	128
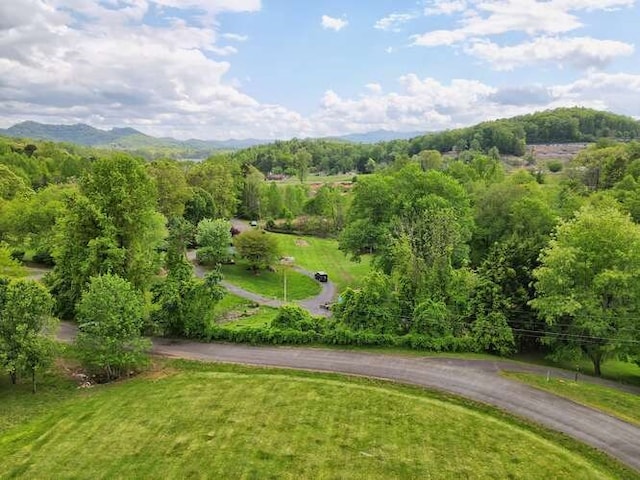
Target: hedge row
276	336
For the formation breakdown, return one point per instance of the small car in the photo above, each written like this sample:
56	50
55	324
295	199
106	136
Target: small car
321	276
253	223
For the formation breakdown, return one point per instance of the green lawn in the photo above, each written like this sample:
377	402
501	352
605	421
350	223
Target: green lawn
620	404
230	303
312	253
271	284
261	317
195	420
617	370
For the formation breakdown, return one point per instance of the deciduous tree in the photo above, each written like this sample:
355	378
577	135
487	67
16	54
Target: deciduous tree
587	285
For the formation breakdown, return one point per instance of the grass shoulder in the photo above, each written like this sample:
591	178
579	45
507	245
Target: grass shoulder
623	405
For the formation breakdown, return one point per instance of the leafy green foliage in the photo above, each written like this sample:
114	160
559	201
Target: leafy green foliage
110	320
26	328
213	238
587	285
373	307
111	227
184	304
171	186
9	267
258	248
295	318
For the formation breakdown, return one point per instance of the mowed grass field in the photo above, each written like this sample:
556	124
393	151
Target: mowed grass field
271	284
615	402
313	254
191	420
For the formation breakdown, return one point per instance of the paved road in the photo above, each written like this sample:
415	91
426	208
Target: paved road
313	304
474	379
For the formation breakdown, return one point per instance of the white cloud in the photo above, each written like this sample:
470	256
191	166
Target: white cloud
375	88
421	104
493	17
618	92
393	21
483	18
444	7
90	63
578	52
234	37
106	67
426	104
332	23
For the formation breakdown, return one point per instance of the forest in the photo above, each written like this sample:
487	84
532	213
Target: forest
468	253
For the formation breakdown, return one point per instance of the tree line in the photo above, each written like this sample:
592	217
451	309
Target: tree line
462	250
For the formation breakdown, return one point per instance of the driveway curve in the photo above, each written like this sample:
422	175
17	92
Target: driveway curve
315	305
474	379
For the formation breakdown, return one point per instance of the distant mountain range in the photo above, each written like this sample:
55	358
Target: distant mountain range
132	139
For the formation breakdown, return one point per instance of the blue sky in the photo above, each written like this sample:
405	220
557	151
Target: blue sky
217	69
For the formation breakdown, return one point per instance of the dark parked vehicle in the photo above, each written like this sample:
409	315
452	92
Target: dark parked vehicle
321	276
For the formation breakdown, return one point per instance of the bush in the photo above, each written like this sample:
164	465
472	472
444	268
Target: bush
296	318
554	166
110	318
336	334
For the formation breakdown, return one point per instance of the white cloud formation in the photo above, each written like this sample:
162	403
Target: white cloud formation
374	87
393	21
542	20
493	17
235	37
332	23
579	52
107	67
425	104
90	63
444	7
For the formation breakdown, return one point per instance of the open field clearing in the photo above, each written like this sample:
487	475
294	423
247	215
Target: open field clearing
312	253
195	420
271	284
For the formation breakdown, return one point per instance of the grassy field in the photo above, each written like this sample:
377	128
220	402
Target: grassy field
271	284
190	420
620	404
312	253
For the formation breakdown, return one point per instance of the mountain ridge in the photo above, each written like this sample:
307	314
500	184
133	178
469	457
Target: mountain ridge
128	138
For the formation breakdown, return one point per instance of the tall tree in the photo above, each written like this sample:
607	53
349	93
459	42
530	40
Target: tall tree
214	239
587	285
171	185
110	318
26	328
251	206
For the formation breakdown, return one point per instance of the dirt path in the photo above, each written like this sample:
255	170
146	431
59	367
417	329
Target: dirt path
314	305
475	379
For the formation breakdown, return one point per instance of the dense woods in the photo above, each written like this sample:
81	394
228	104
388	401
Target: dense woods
467	253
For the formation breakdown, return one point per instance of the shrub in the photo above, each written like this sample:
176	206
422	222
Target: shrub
110	317
554	166
295	318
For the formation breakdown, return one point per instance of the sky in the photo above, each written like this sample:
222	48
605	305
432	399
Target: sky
221	69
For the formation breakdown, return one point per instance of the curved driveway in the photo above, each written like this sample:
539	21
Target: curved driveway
314	304
474	379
